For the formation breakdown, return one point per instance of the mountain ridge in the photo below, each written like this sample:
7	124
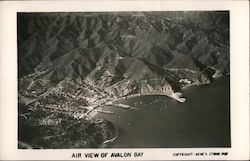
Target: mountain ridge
74	63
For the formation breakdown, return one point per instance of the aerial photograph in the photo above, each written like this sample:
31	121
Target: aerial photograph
153	79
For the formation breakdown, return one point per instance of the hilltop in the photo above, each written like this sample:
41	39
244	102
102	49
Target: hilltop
73	63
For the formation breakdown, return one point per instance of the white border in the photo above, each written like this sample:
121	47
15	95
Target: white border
239	40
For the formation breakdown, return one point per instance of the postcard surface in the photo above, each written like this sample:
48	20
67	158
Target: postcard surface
86	81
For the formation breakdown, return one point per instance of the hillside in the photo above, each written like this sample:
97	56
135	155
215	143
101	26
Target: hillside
73	63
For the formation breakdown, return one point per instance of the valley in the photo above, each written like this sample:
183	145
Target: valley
71	65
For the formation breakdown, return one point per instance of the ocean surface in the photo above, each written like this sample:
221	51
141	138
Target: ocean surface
161	122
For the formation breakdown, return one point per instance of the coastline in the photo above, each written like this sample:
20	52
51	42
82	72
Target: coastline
115	133
177	116
107	142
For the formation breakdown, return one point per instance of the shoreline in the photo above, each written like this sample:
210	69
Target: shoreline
107	142
122	122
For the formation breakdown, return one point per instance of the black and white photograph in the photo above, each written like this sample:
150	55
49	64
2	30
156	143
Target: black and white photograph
123	79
